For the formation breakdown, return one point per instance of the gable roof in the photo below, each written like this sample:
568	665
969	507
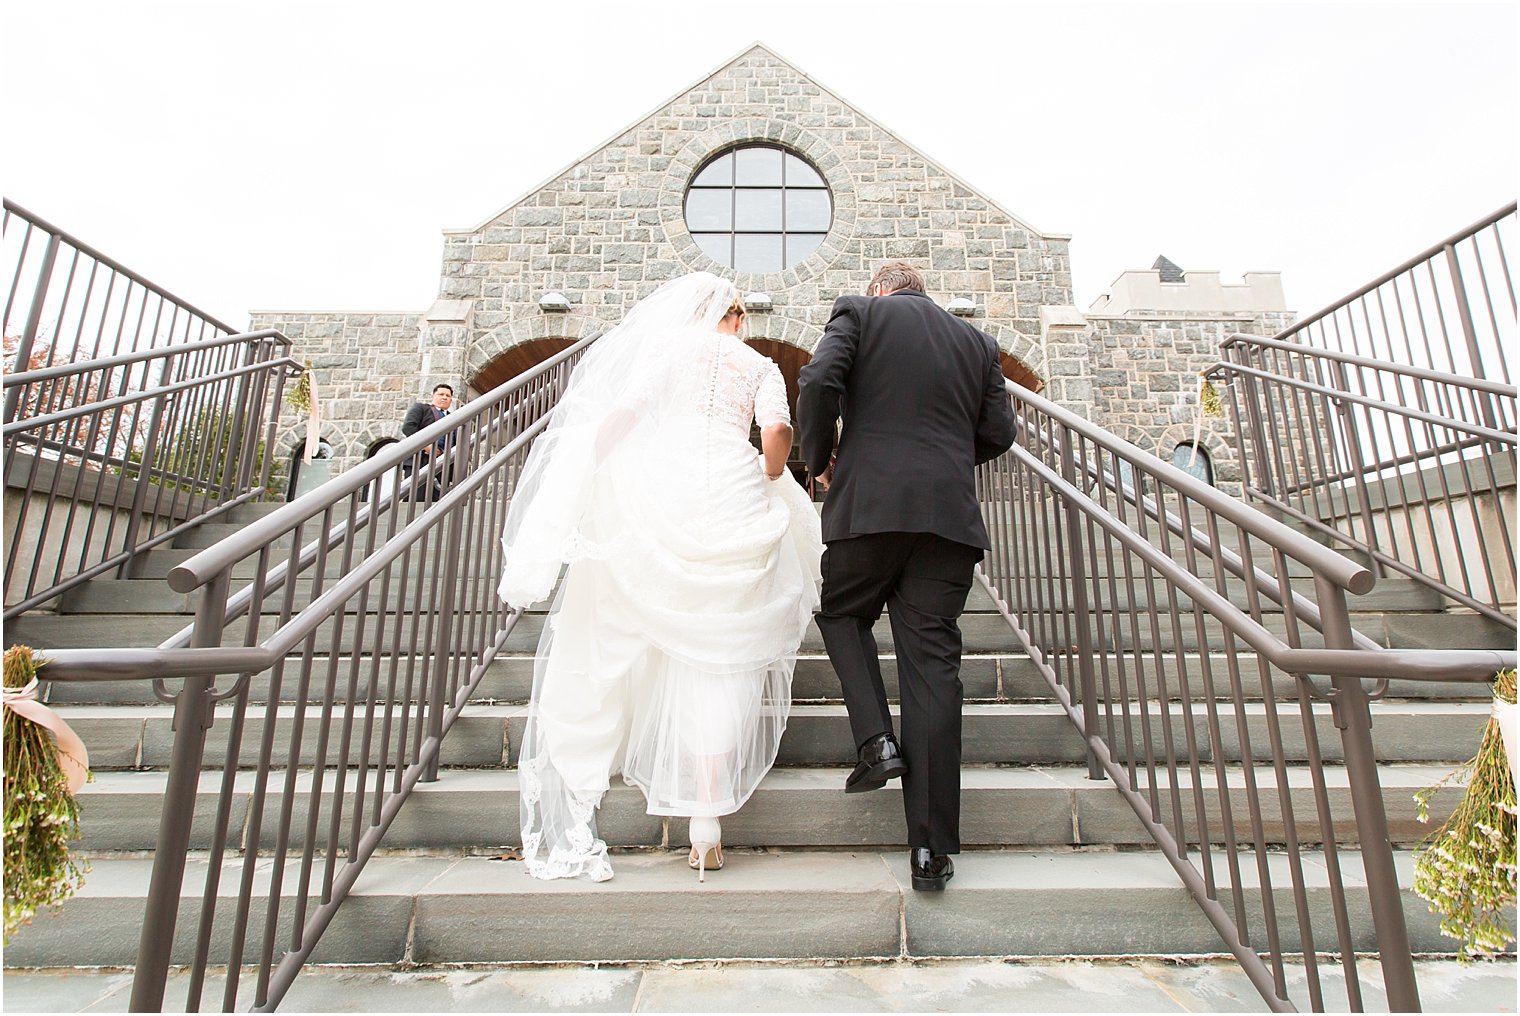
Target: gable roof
758	47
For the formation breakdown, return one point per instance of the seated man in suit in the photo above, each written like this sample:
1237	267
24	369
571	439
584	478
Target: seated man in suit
425	414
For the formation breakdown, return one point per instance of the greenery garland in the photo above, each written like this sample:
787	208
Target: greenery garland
300	394
41	816
1208	398
1466	868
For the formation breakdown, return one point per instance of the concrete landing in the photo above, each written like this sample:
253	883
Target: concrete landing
787	905
1146	985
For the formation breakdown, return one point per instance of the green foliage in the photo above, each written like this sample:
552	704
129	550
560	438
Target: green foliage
1466	869
202	447
1208	398
300	394
41	816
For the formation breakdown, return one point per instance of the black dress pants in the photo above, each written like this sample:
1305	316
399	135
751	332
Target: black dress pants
922	580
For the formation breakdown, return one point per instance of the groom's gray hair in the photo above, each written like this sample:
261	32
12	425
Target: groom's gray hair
895	275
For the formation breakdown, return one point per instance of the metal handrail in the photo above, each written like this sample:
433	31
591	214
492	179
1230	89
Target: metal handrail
409	672
43	420
35	221
1384	458
1367	661
1451	423
1336	356
205	565
1338	569
1156	720
1433	251
124	452
15	379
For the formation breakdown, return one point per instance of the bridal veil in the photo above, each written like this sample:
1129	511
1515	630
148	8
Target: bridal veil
667	652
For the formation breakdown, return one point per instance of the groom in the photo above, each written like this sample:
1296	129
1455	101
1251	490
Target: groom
922	396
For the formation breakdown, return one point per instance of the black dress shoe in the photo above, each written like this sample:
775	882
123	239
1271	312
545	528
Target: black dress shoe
880	760
930	870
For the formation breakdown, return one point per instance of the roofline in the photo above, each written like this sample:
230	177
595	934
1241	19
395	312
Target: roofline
1018	219
917	150
289	310
615	135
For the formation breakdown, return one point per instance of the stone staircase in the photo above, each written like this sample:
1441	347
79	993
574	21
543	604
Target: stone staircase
1055	864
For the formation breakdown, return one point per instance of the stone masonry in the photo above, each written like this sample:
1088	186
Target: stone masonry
610	228
1146	378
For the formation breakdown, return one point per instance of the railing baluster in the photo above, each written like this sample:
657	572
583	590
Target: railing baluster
1355	721
192	717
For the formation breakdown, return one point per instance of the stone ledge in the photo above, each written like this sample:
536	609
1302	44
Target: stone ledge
837	905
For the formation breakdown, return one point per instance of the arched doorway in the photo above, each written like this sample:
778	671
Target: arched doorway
1015	371
518	360
791	359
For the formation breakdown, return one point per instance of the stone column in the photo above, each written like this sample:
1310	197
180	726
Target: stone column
1068	359
443	341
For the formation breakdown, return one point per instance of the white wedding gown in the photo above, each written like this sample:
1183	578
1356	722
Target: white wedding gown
668	653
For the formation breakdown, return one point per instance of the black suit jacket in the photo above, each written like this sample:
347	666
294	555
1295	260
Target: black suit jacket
922	397
421	414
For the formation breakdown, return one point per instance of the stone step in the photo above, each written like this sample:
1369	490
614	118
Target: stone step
151	596
477	809
252	511
981	633
126	737
816	905
157	562
985	678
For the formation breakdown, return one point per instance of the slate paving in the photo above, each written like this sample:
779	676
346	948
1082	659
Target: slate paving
1135	985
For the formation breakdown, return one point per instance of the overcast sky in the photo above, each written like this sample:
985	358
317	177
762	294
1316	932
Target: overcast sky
308	155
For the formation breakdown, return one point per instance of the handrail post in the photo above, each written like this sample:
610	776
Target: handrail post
271	430
233	468
1265	475
1086	677
1470	333
33	323
1354	718
144	469
1347	413
192	716
443	647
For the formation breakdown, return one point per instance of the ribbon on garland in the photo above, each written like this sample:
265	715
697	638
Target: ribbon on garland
1505	713
73	759
313	418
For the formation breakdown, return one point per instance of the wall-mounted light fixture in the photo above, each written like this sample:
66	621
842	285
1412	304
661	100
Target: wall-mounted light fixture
757	301
553	302
961	307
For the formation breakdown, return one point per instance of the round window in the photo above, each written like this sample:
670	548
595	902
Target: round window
758	208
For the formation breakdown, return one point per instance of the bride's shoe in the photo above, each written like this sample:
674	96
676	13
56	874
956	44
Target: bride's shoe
706	837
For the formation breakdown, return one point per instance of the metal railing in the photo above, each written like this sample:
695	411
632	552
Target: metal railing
130	415
370	619
115	455
1182	630
1412	467
67	301
1442	310
1387	421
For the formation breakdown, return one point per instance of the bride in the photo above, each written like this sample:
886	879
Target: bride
668	650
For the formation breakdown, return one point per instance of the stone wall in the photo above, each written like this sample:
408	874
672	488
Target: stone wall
1145	372
368	371
610	229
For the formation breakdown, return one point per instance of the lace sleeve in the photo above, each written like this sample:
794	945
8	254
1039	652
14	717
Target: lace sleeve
770	397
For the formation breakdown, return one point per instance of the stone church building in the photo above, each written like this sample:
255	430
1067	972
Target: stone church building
763	176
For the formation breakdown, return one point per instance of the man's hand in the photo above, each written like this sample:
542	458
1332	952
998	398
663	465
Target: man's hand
825	478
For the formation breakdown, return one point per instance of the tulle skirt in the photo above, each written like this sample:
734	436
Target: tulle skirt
668	653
